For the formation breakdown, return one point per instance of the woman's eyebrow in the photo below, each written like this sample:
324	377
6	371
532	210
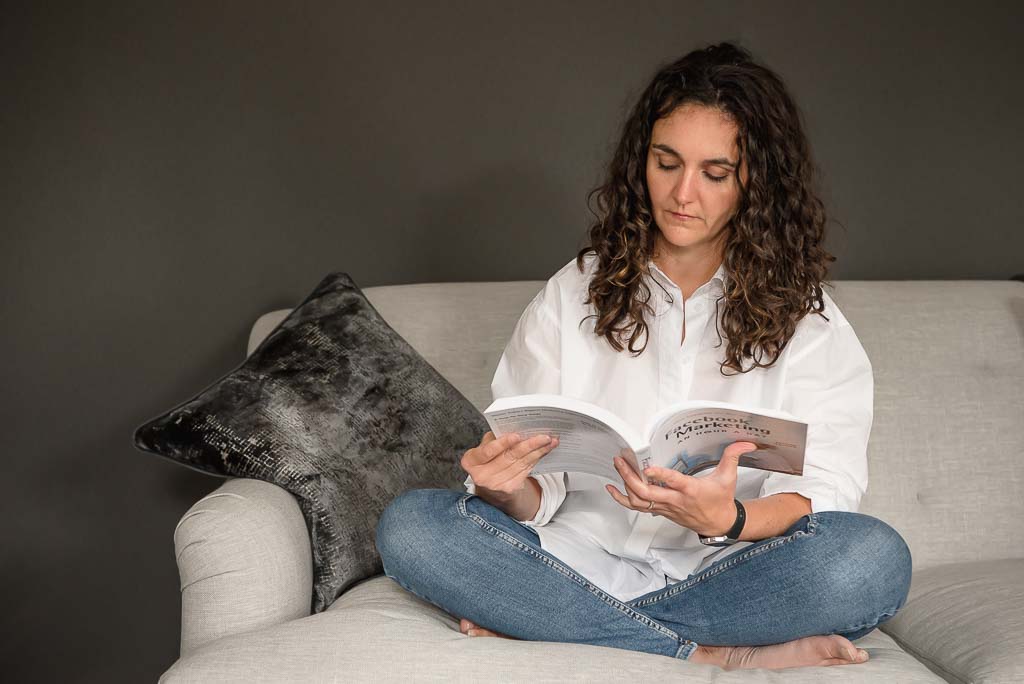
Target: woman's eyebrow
717	161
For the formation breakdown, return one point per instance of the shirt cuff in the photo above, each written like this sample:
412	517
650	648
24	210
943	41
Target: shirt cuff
552	494
823	495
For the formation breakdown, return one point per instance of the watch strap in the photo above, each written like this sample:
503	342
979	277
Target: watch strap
741	519
732	536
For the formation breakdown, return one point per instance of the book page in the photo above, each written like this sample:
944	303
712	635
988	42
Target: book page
585	445
693	440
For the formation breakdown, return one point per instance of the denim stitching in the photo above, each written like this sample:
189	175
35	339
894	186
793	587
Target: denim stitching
610	600
879	620
812	523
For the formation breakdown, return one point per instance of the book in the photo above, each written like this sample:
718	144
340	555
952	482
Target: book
689	436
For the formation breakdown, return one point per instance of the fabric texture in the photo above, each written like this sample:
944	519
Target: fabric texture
945	461
244	562
823	377
335	407
966	620
379	632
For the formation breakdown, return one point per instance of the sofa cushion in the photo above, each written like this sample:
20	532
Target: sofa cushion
948	427
966	620
377	631
336	408
435	317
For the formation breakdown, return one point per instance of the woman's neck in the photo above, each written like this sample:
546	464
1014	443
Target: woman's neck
688	269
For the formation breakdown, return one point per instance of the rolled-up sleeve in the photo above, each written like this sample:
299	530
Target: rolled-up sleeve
830	386
552	494
531	364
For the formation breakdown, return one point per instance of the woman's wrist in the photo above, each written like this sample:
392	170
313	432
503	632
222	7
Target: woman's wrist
771	516
724	520
521	504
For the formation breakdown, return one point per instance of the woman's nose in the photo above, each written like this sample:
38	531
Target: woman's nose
683	192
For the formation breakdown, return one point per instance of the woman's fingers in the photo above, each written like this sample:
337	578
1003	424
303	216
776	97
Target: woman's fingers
525	449
522	457
514	465
671	478
639	494
504	444
619	496
630	479
489	449
636	488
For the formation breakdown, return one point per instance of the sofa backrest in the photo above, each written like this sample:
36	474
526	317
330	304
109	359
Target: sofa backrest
945	456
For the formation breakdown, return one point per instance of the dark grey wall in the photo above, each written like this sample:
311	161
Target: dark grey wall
169	173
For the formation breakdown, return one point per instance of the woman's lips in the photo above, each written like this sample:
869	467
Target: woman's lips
682	217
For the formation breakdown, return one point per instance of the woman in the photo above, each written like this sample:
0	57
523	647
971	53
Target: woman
708	247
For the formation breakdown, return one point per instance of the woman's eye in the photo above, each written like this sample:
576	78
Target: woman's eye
713	179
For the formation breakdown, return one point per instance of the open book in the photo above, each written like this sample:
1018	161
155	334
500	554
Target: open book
689	436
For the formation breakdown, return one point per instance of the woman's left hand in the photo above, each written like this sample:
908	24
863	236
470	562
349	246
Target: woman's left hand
702	504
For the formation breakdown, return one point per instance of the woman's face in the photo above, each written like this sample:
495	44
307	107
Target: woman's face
690	165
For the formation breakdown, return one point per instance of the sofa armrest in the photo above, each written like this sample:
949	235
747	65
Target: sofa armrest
263	326
244	560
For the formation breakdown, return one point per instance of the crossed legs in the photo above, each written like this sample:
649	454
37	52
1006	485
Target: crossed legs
832	573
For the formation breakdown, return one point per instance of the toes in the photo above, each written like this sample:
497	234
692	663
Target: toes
470	628
481	632
860	657
841	648
841	651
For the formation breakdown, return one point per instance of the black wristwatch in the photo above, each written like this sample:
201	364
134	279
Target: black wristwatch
733	535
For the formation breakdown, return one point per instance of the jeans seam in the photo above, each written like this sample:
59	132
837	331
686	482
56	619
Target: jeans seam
567	572
410	589
882	617
812	522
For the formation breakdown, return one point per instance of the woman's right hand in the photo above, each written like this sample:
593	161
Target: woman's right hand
503	464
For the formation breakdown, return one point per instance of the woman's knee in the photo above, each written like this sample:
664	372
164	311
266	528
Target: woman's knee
412	524
866	561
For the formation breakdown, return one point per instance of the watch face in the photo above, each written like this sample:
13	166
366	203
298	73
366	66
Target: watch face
716	541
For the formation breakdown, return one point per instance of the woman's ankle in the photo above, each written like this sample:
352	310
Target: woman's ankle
708	655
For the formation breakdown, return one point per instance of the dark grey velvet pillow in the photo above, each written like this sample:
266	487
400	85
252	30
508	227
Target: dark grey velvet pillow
338	409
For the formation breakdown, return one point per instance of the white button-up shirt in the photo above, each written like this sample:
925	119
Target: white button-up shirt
822	377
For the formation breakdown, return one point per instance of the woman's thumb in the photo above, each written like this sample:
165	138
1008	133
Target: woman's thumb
731	458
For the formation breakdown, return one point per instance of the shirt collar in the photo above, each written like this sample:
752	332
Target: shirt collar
718	279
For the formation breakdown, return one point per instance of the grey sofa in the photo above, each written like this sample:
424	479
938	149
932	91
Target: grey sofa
946	468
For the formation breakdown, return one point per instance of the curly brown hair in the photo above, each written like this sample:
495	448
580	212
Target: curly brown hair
773	247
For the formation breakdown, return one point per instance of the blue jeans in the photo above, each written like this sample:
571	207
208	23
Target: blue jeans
830	573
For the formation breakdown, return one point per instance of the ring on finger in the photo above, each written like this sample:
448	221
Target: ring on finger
650	506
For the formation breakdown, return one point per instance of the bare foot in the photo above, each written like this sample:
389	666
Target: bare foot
819	651
469	628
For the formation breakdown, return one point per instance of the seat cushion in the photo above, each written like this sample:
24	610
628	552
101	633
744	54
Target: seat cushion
377	631
966	620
